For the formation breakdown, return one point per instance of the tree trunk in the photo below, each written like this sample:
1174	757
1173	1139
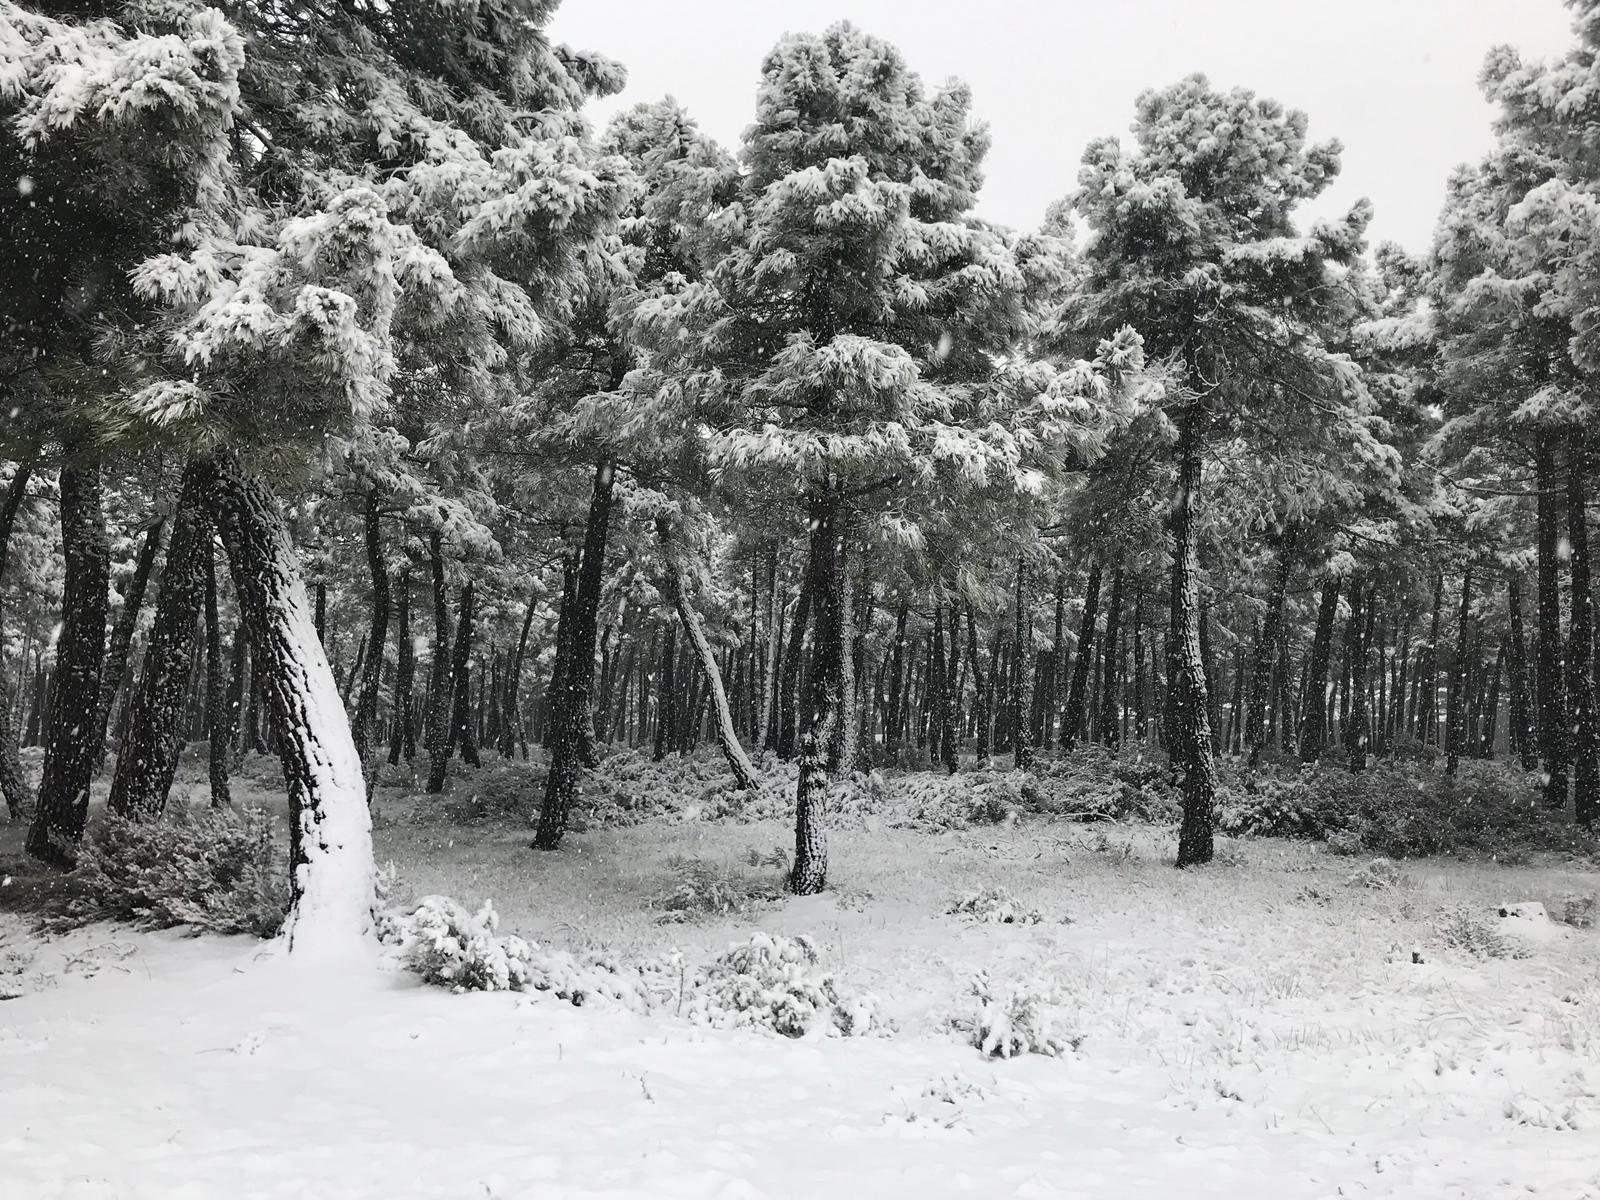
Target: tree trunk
1110	724
116	665
148	756
1456	713
1313	723
1022	677
1522	737
1072	718
330	832
983	705
1261	673
1189	738
511	721
1554	731
441	691
218	723
403	735
13	785
744	774
949	739
825	694
571	712
69	751
1363	607
667	695
377	635
1580	656
463	734
789	683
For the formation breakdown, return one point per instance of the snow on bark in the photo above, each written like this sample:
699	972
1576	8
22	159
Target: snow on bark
330	827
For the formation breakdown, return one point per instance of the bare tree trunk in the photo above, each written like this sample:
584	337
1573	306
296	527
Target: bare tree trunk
69	754
403	736
1072	718
826	695
219	724
1110	723
1554	730
13	786
377	635
1524	740
116	668
1189	737
1580	656
441	691
1313	723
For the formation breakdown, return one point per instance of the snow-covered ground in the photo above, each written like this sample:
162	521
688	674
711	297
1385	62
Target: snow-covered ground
1261	1031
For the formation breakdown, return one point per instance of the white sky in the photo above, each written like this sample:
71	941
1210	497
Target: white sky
1395	80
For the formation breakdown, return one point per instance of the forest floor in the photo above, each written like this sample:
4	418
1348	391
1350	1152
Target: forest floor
1264	1027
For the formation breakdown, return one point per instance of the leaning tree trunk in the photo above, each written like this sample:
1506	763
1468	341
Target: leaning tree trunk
1313	724
148	756
116	666
1523	740
744	774
377	635
219	700
1580	656
441	690
1255	727
403	735
69	752
1189	736
1072	718
826	699
330	831
13	785
571	697
1554	740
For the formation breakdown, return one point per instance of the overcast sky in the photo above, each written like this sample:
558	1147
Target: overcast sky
1395	80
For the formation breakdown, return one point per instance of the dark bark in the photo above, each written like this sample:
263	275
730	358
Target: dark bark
148	756
377	635
949	741
441	692
1261	673
1363	610
983	704
789	683
1456	711
825	699
1109	727
894	718
463	733
403	733
511	717
1022	677
1580	654
1313	724
1072	717
1524	741
116	667
13	785
1189	735
573	718
219	725
667	696
1554	731
69	752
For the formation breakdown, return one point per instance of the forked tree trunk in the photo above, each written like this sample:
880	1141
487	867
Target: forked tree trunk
330	832
572	699
1072	717
1189	737
1554	731
825	694
69	751
744	774
1580	656
148	756
116	668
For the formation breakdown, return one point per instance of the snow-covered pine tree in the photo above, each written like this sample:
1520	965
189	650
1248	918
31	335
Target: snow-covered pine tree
843	352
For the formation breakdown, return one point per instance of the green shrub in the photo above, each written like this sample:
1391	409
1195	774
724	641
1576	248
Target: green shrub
207	868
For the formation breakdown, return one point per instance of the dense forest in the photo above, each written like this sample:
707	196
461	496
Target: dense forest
367	408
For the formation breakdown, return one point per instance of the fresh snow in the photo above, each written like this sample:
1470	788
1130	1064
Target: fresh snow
160	1067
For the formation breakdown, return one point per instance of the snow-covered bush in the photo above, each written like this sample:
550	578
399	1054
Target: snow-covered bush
1577	911
1378	873
939	801
994	906
207	868
704	888
497	791
771	982
1462	929
1015	1018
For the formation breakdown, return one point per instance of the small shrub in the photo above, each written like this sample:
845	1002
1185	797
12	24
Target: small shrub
708	889
994	906
770	982
1462	929
1378	873
206	868
503	790
1577	911
1013	1019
